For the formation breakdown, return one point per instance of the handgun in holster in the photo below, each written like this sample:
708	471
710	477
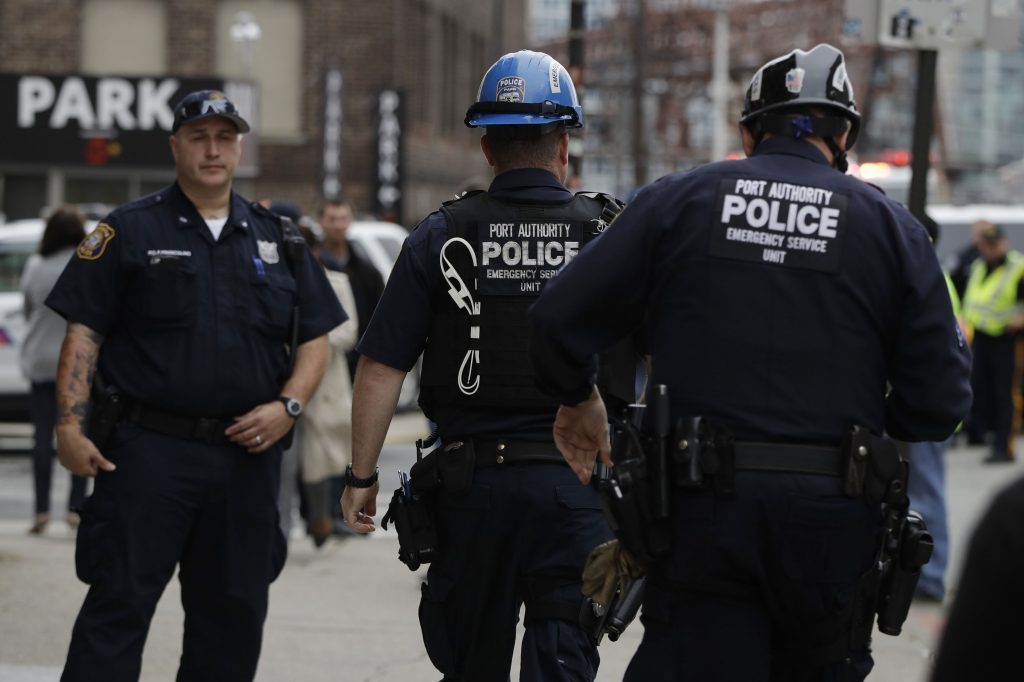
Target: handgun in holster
636	495
106	408
875	471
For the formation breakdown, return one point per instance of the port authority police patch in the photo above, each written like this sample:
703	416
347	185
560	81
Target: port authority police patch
511	89
779	224
95	243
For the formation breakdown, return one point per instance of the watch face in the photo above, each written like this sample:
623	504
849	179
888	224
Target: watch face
293	407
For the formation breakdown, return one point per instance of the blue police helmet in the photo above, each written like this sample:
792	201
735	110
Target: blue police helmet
526	88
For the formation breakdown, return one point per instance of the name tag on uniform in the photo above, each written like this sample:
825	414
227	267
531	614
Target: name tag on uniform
779	223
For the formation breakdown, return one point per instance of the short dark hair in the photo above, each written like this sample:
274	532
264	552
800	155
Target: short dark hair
64	229
531	152
337	202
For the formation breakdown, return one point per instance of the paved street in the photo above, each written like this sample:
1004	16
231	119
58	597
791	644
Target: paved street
348	611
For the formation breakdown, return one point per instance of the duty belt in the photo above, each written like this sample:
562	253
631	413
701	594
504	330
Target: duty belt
500	451
202	429
789	457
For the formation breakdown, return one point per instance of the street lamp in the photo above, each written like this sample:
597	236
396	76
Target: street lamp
244	33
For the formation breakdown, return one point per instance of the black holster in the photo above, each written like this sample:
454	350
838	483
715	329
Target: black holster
106	408
635	495
413	516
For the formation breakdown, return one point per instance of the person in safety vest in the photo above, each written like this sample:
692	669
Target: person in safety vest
993	311
795	314
512	525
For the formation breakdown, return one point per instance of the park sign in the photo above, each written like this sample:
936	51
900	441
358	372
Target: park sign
102	121
933	24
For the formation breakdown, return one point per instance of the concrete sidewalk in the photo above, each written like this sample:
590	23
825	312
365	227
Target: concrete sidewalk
347	612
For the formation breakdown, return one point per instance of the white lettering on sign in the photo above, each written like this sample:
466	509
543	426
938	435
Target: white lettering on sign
119	103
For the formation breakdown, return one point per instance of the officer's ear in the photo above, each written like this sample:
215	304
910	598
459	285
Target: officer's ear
485	147
563	148
173	140
748	140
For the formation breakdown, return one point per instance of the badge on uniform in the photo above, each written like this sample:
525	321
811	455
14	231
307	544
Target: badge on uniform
95	243
268	252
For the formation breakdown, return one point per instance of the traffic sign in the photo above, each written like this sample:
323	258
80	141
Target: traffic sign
933	24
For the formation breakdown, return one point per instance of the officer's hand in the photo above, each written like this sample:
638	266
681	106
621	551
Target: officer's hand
358	505
78	454
260	427
581	433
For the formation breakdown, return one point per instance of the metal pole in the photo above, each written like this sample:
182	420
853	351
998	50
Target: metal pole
924	122
720	84
577	27
639	77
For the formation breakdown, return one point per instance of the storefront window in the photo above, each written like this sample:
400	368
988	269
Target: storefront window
24	196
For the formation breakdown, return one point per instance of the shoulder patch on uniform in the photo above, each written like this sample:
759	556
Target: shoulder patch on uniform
95	243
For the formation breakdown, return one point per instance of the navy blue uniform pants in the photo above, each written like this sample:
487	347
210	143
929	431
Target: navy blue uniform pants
210	509
995	380
756	583
43	408
521	526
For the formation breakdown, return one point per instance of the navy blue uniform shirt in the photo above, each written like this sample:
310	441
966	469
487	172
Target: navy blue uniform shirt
781	296
398	331
190	325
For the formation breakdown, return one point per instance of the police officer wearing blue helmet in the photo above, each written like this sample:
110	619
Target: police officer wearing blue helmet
199	325
513	524
786	303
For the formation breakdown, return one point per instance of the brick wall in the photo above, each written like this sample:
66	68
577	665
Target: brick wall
40	36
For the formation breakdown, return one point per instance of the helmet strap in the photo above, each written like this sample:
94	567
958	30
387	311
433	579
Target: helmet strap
839	161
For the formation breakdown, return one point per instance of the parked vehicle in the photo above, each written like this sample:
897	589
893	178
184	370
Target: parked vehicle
19	241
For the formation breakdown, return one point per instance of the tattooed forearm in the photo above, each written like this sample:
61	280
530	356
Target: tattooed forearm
75	373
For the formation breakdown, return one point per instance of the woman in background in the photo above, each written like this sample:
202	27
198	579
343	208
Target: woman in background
39	352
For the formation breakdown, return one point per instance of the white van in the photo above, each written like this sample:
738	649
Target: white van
19	240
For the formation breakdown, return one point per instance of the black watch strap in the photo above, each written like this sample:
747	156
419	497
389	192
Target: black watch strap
356	482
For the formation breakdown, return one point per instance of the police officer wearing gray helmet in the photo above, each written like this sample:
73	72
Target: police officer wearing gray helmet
785	303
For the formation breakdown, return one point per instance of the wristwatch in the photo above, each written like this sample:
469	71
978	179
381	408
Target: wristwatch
356	482
292	406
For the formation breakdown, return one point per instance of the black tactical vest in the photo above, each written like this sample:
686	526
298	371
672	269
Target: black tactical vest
498	255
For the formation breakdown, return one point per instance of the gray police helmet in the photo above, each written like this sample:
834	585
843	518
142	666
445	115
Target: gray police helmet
798	79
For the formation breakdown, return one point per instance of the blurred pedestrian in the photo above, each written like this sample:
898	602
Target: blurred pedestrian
201	323
324	437
39	352
984	629
926	483
797	314
338	253
960	265
994	311
513	526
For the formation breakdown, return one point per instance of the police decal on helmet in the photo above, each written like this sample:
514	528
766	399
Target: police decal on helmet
527	89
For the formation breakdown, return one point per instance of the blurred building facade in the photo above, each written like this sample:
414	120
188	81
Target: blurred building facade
359	99
980	92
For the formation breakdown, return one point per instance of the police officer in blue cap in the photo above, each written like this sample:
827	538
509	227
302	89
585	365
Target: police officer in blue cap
200	329
786	303
513	525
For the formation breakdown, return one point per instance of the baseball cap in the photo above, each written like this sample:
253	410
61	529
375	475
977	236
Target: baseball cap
201	104
992	233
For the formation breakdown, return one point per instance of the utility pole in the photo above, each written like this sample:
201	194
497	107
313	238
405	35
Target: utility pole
577	11
924	123
720	82
639	90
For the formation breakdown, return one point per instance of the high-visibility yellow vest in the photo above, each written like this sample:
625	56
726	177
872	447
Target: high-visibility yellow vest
990	300
954	297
